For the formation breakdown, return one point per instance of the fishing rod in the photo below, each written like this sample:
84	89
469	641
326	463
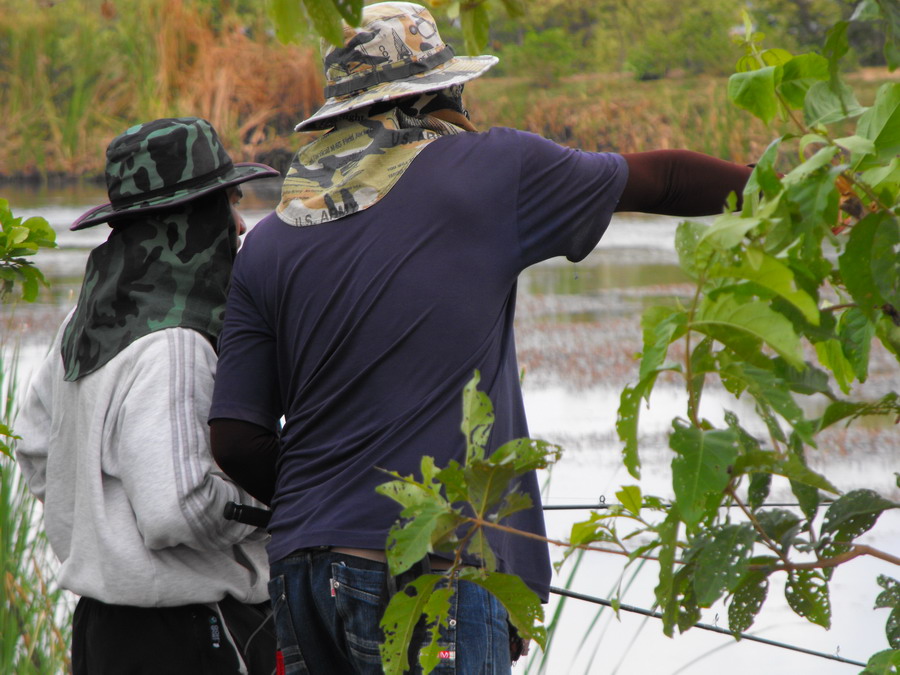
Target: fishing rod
602	504
252	515
705	626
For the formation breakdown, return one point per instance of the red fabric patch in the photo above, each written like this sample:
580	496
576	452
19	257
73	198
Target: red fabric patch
279	663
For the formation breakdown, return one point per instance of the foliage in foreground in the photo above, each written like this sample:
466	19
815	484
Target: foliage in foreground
791	292
31	613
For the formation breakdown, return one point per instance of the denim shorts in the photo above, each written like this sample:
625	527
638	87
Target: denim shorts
328	607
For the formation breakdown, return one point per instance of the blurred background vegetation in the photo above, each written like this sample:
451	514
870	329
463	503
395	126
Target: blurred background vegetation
616	75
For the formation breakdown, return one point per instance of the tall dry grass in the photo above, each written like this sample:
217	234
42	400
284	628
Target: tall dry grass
616	114
75	74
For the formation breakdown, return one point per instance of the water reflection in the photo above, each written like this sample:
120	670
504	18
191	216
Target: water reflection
577	333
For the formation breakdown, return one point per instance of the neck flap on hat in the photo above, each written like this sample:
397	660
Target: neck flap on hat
353	166
155	271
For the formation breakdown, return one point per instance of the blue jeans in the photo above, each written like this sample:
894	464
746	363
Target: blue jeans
327	610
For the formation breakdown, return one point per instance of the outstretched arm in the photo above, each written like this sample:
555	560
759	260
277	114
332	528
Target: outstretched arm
680	183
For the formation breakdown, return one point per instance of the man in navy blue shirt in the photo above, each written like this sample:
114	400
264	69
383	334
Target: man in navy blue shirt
361	307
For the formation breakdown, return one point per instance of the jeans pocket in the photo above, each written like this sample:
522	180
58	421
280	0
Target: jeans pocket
288	648
357	597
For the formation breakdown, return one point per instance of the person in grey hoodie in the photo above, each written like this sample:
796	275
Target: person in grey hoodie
113	426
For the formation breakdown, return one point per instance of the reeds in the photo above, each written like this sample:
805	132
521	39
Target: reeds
614	113
34	634
75	74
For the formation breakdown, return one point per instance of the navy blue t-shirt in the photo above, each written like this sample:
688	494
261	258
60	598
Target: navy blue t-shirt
363	331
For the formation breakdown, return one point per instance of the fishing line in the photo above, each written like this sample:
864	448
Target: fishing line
704	626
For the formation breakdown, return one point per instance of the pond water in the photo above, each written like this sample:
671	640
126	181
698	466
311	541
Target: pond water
577	331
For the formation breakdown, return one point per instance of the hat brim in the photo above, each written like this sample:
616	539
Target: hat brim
240	173
457	70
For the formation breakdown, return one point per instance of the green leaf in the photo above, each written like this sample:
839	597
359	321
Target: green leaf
729	230
821	158
831	355
513	503
856	333
527	454
722	562
747	600
764	179
881	123
810	380
630	497
326	19
40	232
887	176
691	256
480	547
475	26
627	423
854	513
487	484
780	525
758	489
886	662
806	592
890	15
827	103
755	92
771	273
287	15
701	470
514	8
661	327
402	614
350	10
790	466
753	318
524	607
864	261
890	598
836	47
407	544
767	389
799	74
477	419
664	591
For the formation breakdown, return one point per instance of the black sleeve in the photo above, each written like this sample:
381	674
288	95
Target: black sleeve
680	183
247	453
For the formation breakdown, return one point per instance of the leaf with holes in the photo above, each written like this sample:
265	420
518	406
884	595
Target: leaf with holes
402	614
806	592
478	418
722	562
890	598
747	600
847	518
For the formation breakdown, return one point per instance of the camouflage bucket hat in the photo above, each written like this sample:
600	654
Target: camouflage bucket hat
395	52
163	163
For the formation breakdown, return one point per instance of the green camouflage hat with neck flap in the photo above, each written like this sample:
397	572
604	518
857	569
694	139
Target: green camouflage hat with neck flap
168	260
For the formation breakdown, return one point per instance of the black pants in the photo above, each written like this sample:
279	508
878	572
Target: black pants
191	639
